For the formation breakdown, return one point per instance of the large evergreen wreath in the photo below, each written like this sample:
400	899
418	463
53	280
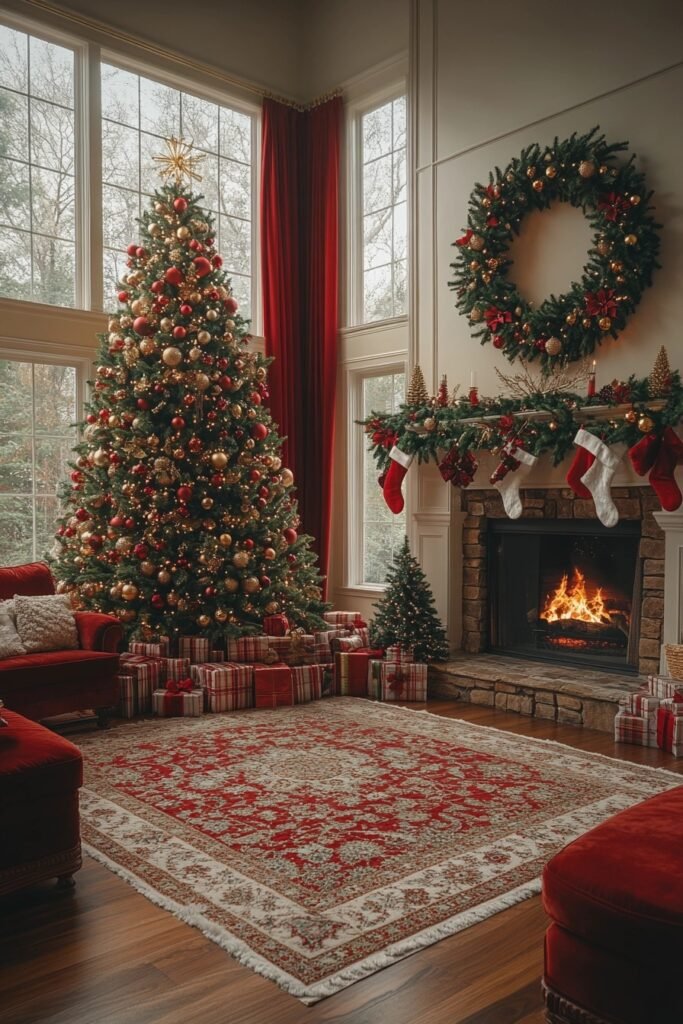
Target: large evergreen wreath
582	171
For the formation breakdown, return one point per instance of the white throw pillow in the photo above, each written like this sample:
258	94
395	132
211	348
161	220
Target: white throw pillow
10	641
46	623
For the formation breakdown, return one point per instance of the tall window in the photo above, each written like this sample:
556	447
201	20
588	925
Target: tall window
384	211
39	408
382	531
137	115
37	182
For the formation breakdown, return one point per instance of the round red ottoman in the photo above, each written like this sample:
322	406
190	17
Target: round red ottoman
40	775
615	898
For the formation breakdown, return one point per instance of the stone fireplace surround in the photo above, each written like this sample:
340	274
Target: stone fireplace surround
566	694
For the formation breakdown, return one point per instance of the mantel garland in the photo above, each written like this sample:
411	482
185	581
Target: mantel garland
546	424
583	171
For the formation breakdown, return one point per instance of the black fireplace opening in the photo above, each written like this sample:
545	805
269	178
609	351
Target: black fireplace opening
565	591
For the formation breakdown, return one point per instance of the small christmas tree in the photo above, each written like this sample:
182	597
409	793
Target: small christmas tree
417	389
659	381
180	516
406	614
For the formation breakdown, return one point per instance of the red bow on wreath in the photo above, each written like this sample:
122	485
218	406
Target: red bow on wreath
601	303
385	437
458	468
464	240
179	686
613	205
496	318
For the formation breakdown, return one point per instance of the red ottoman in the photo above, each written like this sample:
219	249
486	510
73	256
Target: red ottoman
615	898
40	775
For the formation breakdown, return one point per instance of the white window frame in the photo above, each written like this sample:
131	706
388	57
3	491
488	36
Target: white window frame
354	218
357	372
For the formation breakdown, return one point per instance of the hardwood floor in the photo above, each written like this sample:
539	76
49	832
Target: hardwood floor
103	954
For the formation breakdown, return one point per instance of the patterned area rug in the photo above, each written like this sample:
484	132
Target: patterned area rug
321	843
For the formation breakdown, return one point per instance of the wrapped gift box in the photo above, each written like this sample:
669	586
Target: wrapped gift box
344	644
400	655
248	649
196	648
326	636
351	672
177	703
641	703
322	654
226	685
273	686
345	619
177	668
670	731
637	729
160	648
404	682
135	697
364	634
374	681
664	686
327	686
276	625
295	649
217	655
307	681
149	671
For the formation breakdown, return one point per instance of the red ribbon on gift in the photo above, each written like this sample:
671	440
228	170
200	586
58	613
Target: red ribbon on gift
398	682
176	686
665	729
601	303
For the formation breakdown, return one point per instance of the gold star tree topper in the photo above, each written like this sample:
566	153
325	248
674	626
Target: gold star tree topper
179	162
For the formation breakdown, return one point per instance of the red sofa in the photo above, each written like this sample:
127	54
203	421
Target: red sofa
614	948
40	775
57	682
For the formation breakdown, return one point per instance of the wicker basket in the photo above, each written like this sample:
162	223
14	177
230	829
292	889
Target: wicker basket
674	659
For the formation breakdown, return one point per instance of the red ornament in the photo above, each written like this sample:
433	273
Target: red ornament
212	416
142	326
217	480
116	521
123	296
265	581
177	422
264	492
202	266
104	415
82	515
76	476
210	591
156	287
195	444
142	403
188	400
290	535
255	475
141	551
231	304
91	418
196	245
95	541
184	493
249	544
179	332
180	204
129	523
255	398
225	382
185	309
132	248
217	261
174	275
141	252
213	295
498	342
157	601
259	431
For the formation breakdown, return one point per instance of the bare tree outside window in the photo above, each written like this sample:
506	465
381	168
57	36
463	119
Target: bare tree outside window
138	113
37	182
384	211
383	532
38	410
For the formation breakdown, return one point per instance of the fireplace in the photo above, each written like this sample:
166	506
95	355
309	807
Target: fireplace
566	591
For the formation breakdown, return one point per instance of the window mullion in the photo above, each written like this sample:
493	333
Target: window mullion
89	157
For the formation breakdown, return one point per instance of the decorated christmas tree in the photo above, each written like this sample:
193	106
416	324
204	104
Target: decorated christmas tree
180	517
406	614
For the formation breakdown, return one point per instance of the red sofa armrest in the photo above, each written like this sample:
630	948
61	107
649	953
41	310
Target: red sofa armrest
98	632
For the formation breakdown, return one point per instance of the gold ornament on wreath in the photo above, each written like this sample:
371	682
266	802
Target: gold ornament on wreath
590	173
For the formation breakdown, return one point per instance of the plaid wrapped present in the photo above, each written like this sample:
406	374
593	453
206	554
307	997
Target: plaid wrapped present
673	704
345	619
328	635
217	655
276	625
322	654
273	686
351	672
307	681
135	697
670	732
664	686
178	699
636	729
327	687
151	671
226	685
344	644
374	682
177	668
160	648
249	648
364	634
196	648
400	655
403	682
641	703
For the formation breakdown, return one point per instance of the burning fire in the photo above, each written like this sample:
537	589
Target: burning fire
571	601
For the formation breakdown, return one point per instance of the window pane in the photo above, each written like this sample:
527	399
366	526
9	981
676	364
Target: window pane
55	388
14	125
120	209
235	242
377	239
159	108
377	184
47	510
400	287
120	99
399	179
200	123
235	189
113	267
54	267
52	72
377	133
52	136
241	289
52	457
208	186
16	402
150	146
400	231
120	157
16	536
15	464
13	59
235	135
377	291
15	205
400	123
53	203
383	532
15	264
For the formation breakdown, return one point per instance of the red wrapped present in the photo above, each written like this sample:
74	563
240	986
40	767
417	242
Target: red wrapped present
404	682
177	668
663	686
149	672
345	644
226	685
345	619
364	634
135	698
641	703
327	687
351	672
248	649
196	648
635	729
400	655
273	686
307	681
670	732
375	678
180	698
160	648
276	625
217	655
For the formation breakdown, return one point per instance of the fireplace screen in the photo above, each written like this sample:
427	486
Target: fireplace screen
565	590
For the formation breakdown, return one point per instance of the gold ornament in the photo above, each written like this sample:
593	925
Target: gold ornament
250	585
236	410
225	540
231	585
603	247
477	243
212	314
164	577
124	545
194	354
571	318
630	416
203	621
219	460
631	239
101	457
201	382
166	324
220	615
531	171
287	477
203	337
148	346
272	607
147	568
634	200
129	592
207	503
645	424
172	356
430	424
476	315
240	559
486	202
179	163
183	232
604	323
586	168
537	185
586	322
269	554
551	171
553	346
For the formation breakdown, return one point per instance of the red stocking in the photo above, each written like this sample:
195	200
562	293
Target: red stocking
583	460
662	476
400	463
643	454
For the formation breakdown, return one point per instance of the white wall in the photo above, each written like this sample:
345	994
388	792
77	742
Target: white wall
488	80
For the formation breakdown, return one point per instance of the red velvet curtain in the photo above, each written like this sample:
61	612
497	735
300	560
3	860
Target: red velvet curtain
299	253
